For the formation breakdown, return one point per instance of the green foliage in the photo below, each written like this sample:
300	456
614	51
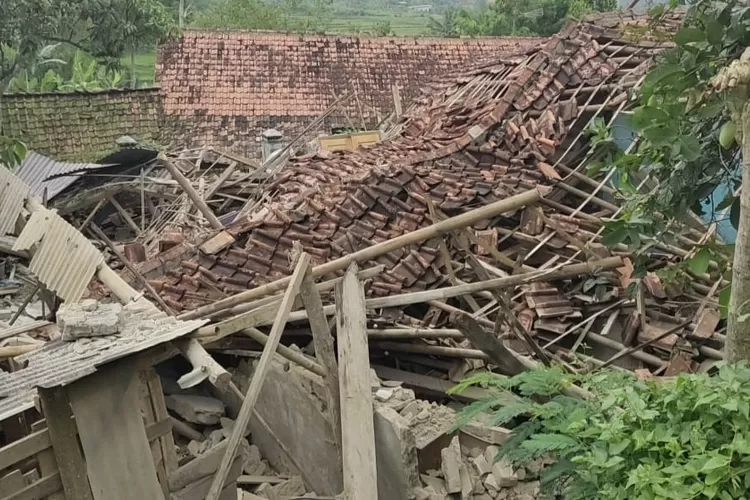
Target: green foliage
510	17
12	152
685	142
383	28
103	28
686	438
84	74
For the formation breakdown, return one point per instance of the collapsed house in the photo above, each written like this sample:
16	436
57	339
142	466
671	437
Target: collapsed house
469	241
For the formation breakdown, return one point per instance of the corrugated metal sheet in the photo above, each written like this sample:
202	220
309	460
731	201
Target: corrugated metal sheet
36	169
13	193
61	363
65	261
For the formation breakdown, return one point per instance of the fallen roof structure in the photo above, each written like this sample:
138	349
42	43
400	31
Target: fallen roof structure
469	240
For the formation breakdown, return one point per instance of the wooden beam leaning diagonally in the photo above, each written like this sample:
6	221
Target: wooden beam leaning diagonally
256	383
357	424
466	219
190	191
323	341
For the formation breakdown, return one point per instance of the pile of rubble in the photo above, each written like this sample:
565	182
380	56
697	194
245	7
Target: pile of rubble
480	474
472	241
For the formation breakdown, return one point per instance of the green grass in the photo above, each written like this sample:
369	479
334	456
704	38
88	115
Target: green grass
145	65
402	24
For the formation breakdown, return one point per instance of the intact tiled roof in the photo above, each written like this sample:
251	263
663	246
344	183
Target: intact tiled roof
482	135
275	74
80	126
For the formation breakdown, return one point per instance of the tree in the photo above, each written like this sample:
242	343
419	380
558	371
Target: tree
691	105
510	17
103	28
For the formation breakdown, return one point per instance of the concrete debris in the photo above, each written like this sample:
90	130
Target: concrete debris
473	473
451	465
88	319
196	409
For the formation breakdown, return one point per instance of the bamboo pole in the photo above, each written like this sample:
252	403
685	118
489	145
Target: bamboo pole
189	191
466	219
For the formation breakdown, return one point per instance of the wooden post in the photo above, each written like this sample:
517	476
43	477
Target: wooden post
357	425
106	407
371	252
191	193
62	434
323	341
256	384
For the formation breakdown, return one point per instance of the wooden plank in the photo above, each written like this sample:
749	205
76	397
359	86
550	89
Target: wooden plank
217	243
106	404
430	384
62	434
149	418
245	480
256	384
199	489
39	490
46	460
357	425
162	416
24	448
323	341
500	355
198	468
11	483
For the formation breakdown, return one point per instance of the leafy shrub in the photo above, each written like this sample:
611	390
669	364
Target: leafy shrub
684	438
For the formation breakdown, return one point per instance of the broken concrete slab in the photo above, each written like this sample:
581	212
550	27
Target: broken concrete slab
451	466
202	410
88	319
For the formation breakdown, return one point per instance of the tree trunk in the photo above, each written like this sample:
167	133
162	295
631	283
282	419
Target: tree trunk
737	346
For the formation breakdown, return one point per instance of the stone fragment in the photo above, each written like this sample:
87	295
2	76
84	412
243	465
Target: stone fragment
490	454
88	305
491	484
437	484
502	470
467	486
196	409
383	395
482	496
482	466
451	463
421	494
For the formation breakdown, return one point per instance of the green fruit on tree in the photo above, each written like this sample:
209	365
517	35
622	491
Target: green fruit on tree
727	134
